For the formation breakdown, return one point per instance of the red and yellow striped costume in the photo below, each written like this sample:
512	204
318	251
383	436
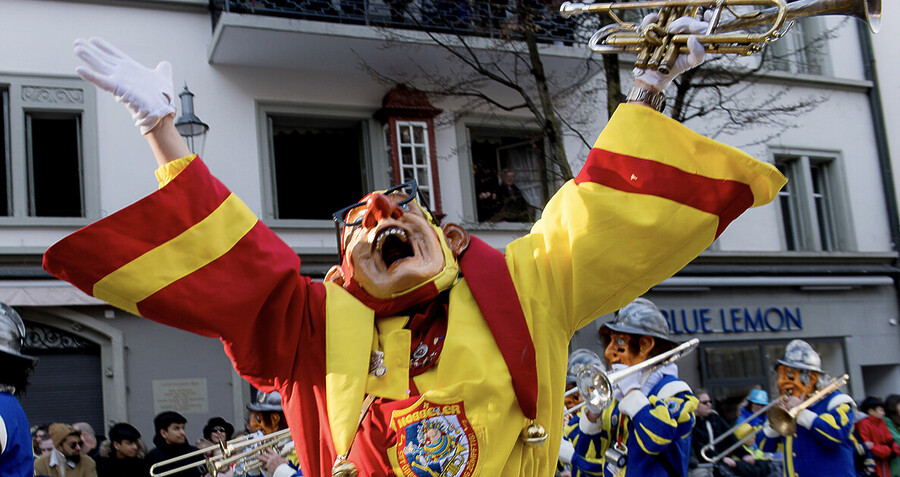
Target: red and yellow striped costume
651	196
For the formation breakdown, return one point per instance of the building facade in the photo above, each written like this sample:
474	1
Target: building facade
303	121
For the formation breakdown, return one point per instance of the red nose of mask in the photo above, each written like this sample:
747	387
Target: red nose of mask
378	207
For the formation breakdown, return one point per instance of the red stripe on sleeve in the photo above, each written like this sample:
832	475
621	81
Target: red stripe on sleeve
725	198
89	254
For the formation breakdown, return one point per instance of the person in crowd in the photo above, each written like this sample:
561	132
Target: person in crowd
91	446
16	445
394	326
217	429
123	454
756	400
892	421
647	426
708	427
822	443
66	460
45	446
170	441
511	204
876	436
39	434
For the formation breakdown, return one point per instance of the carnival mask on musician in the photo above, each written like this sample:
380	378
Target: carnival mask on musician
393	253
628	349
798	369
638	332
796	382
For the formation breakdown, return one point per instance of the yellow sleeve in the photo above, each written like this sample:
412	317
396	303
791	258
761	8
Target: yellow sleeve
168	171
651	196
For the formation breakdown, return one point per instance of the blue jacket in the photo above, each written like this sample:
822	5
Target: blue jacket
656	430
822	444
16	454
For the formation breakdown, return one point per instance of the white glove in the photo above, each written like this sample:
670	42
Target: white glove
147	93
628	383
656	376
684	62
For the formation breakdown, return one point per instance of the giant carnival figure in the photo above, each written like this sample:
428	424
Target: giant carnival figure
426	351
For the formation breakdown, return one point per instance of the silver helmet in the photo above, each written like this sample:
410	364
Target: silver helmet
800	355
12	333
640	317
266	402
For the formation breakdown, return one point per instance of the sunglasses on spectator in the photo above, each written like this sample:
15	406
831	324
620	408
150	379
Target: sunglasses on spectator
73	445
218	429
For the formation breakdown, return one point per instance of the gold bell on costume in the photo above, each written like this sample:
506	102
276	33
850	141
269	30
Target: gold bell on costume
534	435
344	468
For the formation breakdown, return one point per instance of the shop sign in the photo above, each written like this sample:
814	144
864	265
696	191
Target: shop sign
733	320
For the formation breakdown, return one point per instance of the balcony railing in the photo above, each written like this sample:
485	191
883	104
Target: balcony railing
499	19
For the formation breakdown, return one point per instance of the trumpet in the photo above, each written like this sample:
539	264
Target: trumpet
250	447
658	49
712	445
784	421
596	386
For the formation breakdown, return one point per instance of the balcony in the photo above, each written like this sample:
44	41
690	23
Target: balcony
332	35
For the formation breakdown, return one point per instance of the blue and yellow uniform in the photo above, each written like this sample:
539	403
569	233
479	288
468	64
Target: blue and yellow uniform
587	459
822	443
656	429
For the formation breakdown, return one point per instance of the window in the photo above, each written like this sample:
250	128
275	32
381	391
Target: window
49	150
813	216
316	165
730	370
412	140
802	50
509	175
54	164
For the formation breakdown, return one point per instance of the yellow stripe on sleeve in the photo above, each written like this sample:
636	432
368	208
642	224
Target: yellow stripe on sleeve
830	420
829	436
662	441
143	276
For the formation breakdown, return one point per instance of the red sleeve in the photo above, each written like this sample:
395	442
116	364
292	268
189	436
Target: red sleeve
869	432
246	290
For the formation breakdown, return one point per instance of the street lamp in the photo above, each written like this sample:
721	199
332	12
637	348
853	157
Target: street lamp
191	128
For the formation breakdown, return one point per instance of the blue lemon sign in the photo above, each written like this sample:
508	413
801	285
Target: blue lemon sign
733	320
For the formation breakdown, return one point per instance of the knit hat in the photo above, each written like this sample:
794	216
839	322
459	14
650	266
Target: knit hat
59	431
122	431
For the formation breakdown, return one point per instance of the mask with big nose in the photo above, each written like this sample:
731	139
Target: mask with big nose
396	257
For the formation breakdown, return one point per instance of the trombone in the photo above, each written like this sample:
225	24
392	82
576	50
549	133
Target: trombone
596	386
249	446
657	49
712	445
784	421
781	419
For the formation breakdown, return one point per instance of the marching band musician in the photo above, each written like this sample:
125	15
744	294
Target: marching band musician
822	443
579	453
647	428
267	417
426	351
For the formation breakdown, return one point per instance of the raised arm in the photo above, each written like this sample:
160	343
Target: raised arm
147	93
